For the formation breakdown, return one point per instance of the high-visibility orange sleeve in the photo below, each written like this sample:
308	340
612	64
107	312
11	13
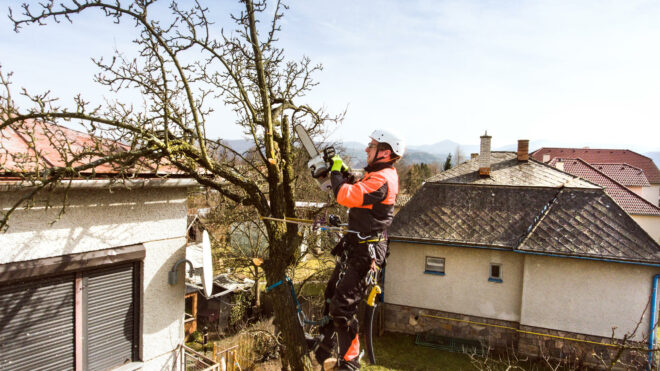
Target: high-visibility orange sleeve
368	191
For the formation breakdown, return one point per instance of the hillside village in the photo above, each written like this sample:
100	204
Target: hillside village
554	254
135	234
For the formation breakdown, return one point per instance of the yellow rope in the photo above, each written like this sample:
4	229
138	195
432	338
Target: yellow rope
520	331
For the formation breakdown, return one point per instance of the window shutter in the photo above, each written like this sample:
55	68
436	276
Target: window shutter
37	324
111	324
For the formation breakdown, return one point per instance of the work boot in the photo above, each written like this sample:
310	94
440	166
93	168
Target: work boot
351	365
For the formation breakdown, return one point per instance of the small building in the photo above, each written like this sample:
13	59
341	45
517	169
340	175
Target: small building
514	254
87	289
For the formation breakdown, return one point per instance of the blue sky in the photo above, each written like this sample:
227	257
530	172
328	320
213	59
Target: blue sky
562	73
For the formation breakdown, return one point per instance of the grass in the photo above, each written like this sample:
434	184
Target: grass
399	352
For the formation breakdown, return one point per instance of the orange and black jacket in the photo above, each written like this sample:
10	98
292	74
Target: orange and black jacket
371	200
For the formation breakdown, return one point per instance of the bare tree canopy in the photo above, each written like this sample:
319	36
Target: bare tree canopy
183	68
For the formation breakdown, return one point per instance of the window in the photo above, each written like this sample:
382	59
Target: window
495	273
86	319
435	266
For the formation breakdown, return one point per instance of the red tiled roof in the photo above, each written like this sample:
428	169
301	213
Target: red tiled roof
42	145
625	174
603	156
631	202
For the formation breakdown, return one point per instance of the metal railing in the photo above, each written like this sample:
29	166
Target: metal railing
193	361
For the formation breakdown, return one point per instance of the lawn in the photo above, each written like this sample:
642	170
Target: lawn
399	352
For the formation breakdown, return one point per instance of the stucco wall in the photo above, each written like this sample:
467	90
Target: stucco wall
93	220
652	193
100	219
463	289
586	297
650	223
163	305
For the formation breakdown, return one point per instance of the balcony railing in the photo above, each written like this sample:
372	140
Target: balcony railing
193	361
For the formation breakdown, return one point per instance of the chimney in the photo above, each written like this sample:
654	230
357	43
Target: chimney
523	150
484	155
559	165
473	156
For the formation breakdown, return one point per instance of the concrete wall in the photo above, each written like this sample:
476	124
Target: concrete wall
463	289
650	223
586	297
99	219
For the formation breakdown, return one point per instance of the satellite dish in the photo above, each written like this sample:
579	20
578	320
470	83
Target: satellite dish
207	265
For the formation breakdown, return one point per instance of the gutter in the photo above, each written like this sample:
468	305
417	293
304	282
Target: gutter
656	265
6	186
652	324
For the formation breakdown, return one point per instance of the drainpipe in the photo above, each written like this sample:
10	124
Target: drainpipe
654	310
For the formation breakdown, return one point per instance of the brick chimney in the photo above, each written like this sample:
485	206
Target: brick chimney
523	150
484	155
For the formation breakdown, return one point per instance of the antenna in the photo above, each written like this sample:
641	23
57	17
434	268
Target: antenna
207	267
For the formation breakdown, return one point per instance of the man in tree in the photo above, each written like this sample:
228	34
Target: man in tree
371	203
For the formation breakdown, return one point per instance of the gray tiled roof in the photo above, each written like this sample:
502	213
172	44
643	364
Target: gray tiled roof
471	214
581	222
589	223
506	170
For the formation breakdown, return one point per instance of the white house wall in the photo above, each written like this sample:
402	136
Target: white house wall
94	219
163	305
99	219
586	297
650	223
463	289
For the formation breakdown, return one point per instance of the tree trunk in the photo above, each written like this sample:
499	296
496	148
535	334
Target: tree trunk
296	354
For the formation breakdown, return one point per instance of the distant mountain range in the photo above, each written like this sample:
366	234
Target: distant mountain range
436	153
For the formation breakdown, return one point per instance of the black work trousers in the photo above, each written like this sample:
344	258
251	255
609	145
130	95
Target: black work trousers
346	288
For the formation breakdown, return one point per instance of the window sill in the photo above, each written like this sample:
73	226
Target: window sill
434	273
498	280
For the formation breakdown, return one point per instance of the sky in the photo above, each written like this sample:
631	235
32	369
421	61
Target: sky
560	73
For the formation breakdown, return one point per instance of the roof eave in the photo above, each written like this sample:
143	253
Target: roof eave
6	186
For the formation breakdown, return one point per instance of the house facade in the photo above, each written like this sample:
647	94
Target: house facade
87	289
621	164
527	258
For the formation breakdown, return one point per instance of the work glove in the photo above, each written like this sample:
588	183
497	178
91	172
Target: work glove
338	164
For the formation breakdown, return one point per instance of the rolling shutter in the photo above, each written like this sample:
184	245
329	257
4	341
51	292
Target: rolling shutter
110	310
37	324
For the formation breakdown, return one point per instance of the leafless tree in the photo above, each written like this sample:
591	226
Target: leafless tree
183	67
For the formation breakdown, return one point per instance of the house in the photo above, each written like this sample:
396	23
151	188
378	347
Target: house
88	289
619	182
620	164
516	254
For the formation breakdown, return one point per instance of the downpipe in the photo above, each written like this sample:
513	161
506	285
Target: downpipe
652	324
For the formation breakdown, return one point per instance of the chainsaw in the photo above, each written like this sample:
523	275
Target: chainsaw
319	163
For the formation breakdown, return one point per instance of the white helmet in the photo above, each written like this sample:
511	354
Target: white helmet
392	138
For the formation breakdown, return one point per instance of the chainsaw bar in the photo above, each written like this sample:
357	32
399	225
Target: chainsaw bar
306	141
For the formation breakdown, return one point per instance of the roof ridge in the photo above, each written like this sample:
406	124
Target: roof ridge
618	163
539	218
